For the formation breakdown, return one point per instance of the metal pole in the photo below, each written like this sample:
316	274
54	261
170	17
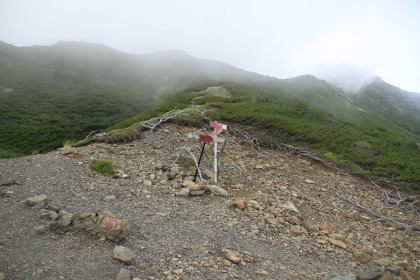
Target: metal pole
198	164
215	162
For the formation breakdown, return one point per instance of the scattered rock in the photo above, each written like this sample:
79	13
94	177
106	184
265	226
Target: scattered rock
179	271
309	181
36	200
184	192
344	277
192	186
147	183
232	256
362	256
405	275
6	179
394	269
110	198
197	192
124	255
218	190
48	214
104	224
39	230
325	228
370	274
124	274
238	204
337	243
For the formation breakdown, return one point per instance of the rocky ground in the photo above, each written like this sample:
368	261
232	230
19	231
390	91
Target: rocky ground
286	217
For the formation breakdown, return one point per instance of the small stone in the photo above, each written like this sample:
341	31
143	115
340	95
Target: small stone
6	179
337	243
226	262
179	271
296	229
395	269
34	200
2	277
337	236
66	219
184	192
370	274
309	181
124	274
39	230
248	258
110	198
147	183
344	277
49	214
362	256
171	175
218	190
325	227
197	192
192	186
405	275
259	166
238	204
232	256
208	174
308	226
124	255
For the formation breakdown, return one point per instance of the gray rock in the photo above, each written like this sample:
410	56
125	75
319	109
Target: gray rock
197	192
370	274
218	190
48	214
110	198
66	219
2	277
395	269
39	230
124	274
344	277
184	192
6	179
35	200
124	255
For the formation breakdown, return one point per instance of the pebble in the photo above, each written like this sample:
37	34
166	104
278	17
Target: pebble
123	274
124	255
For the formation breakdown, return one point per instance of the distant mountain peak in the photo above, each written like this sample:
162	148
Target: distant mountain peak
347	77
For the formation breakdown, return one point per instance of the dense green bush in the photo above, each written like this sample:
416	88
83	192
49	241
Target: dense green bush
104	167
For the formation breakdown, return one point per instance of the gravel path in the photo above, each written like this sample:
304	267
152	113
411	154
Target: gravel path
186	237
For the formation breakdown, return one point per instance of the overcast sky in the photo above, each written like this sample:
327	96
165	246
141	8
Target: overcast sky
271	37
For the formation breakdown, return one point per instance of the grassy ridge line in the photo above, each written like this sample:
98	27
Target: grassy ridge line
373	145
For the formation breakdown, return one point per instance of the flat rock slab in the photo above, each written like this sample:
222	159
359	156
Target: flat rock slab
35	200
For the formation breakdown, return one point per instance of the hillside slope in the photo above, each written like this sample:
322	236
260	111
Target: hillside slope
294	221
52	94
373	146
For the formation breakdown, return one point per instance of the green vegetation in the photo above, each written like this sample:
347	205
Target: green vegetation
111	151
364	146
58	94
104	167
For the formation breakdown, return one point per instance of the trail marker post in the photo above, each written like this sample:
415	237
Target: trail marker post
213	137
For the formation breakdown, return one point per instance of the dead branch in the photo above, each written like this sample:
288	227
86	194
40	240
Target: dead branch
186	148
373	212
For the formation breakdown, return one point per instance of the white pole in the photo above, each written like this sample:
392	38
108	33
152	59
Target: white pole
215	162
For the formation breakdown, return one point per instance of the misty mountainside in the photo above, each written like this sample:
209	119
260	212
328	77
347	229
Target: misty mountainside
53	94
50	94
377	147
375	96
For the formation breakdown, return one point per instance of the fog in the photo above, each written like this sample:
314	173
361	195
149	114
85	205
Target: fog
275	38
